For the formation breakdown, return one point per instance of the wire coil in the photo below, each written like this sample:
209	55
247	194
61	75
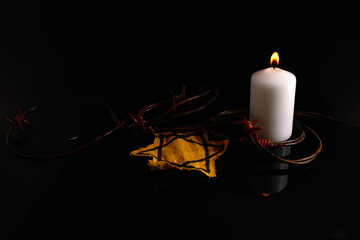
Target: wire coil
300	138
171	110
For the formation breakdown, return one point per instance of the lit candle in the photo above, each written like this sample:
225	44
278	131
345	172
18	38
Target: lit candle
272	99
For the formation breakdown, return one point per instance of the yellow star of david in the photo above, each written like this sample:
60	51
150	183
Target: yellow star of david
190	150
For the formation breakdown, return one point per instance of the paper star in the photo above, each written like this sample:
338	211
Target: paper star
190	150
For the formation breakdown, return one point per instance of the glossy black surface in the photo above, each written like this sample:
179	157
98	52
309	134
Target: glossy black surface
102	191
131	57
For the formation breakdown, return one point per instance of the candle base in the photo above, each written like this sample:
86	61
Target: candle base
292	141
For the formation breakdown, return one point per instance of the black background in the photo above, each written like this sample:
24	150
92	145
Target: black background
131	55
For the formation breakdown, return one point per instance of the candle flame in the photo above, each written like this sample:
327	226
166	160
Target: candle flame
274	60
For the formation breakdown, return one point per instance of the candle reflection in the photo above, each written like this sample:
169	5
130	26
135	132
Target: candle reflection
268	176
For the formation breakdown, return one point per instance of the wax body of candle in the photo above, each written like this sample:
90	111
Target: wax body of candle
272	99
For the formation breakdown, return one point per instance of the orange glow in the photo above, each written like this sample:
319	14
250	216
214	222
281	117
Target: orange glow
274	60
266	194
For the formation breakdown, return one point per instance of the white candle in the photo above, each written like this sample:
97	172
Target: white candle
272	99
